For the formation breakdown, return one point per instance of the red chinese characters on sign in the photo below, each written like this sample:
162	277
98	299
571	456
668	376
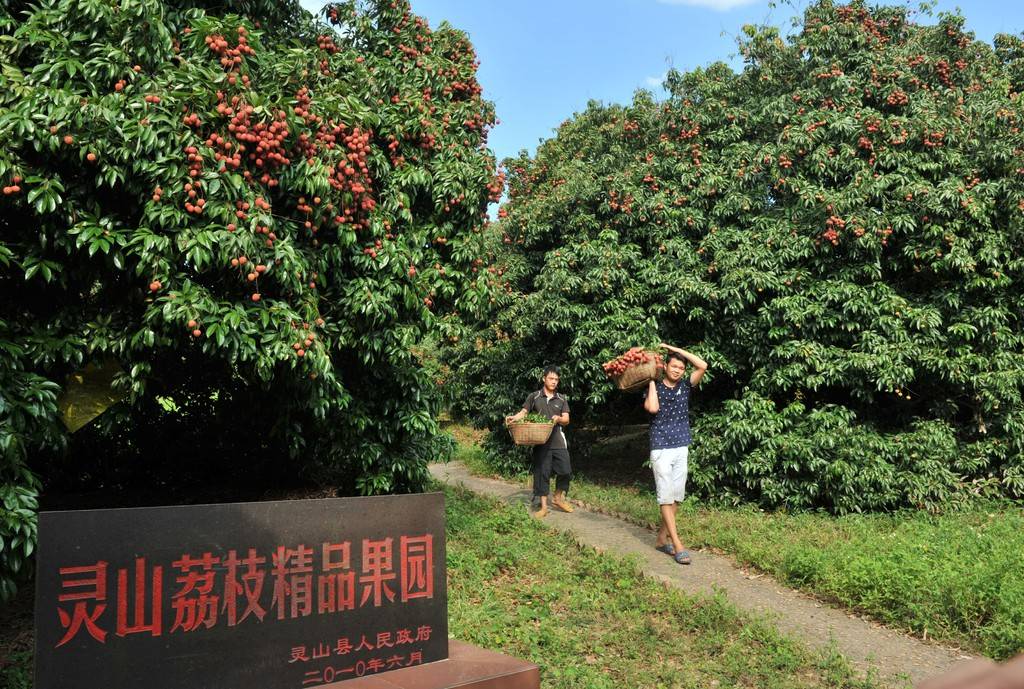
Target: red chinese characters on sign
230	589
194	603
344	646
86	587
378	663
140	593
293	582
377	572
251	586
417	567
331	673
336	586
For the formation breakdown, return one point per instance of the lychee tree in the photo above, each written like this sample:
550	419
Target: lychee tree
836	229
256	216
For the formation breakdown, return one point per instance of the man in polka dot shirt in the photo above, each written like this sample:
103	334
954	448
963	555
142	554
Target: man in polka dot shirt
668	401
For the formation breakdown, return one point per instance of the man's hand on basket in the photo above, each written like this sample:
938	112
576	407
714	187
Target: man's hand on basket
512	418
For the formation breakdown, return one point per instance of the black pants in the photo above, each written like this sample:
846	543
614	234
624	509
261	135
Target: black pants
544	460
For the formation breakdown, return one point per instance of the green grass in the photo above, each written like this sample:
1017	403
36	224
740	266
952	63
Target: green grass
592	620
956	577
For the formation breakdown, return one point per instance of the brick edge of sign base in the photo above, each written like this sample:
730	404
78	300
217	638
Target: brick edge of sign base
467	667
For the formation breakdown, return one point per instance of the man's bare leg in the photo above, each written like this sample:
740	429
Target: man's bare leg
668	523
662	535
542	511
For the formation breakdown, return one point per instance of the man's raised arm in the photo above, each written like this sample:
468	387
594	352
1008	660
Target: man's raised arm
699	365
651	403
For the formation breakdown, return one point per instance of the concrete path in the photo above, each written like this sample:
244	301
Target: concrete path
867	645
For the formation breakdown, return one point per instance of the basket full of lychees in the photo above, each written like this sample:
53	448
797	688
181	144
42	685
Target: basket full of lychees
634	369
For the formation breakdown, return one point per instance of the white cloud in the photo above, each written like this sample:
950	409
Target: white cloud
656	82
717	5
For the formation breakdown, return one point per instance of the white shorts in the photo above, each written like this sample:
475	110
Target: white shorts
670	466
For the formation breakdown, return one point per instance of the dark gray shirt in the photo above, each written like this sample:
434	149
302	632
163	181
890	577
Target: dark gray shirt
539	403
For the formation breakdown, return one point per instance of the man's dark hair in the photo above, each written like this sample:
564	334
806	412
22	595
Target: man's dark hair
675	355
550	369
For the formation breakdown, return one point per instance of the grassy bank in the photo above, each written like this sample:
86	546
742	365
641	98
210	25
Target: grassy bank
594	621
956	577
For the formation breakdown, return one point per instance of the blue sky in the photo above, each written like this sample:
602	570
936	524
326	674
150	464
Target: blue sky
541	61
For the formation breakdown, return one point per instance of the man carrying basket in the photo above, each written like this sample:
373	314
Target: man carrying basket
668	401
554	454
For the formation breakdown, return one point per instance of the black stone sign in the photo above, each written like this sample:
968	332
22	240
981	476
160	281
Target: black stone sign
282	595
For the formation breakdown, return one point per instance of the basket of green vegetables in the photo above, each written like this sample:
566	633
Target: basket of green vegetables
532	429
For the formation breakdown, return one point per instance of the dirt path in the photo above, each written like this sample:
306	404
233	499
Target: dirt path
894	656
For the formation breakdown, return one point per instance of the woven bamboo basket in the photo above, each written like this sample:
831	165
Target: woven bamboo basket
636	377
530	433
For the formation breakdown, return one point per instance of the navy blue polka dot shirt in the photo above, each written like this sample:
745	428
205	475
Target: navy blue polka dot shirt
670	427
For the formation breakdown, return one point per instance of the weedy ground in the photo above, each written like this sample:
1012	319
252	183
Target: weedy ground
957	577
593	620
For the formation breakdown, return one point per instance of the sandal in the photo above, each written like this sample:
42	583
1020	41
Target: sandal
683	557
666	548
